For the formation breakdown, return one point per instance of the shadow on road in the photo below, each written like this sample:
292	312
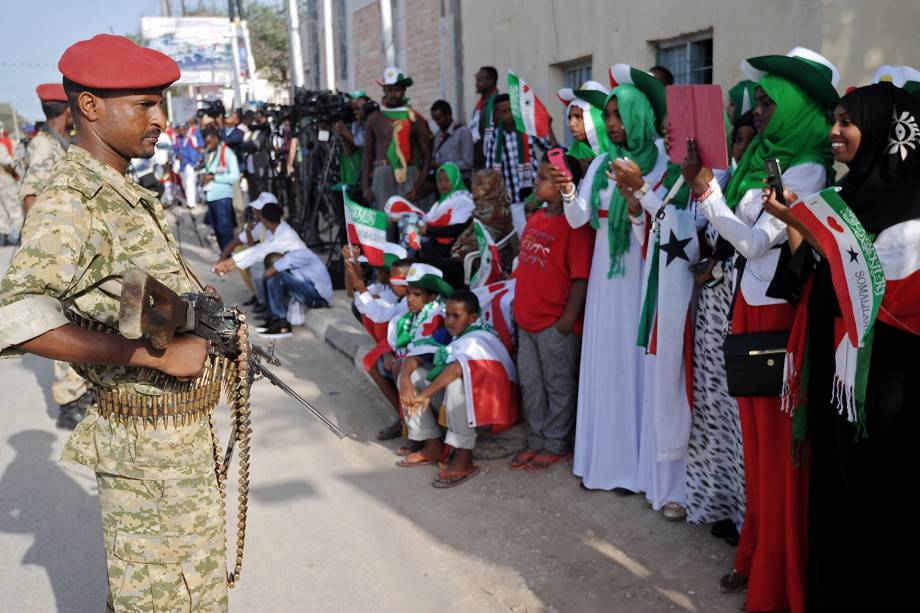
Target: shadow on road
43	369
37	497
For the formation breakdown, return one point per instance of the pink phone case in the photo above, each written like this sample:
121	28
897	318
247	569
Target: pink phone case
557	159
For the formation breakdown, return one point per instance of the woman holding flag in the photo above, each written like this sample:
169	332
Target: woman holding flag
861	428
793	97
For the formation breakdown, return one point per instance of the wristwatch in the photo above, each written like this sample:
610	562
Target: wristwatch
718	272
642	190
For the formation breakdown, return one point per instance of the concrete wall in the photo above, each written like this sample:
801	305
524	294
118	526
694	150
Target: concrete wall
536	37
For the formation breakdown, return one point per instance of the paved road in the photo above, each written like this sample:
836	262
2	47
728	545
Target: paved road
335	526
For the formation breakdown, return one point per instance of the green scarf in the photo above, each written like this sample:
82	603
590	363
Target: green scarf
737	95
522	142
796	134
639	121
409	324
595	132
443	353
456	181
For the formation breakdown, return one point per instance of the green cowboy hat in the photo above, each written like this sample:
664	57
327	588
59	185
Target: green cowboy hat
591	92
430	278
806	68
394	76
358	93
653	89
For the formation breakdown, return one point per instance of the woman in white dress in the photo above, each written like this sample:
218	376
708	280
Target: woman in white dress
610	382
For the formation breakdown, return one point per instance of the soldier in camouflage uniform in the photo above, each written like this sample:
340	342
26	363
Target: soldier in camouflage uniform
161	513
10	209
70	391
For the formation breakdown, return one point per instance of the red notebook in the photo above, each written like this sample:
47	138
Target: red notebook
695	111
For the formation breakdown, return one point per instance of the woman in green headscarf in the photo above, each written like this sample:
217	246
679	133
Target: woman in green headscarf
450	215
609	399
793	96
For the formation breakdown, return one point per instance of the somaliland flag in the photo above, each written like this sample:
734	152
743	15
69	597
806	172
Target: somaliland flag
496	302
367	228
490	380
530	116
859	284
490	261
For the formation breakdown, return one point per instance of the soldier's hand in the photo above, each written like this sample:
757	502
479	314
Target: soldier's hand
184	357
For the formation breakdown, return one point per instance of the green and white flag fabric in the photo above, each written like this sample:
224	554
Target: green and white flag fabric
367	229
859	282
530	116
490	261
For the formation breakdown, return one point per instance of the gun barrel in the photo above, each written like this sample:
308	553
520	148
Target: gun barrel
276	381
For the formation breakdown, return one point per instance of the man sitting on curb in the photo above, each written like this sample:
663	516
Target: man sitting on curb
297	275
279	238
475	380
254	232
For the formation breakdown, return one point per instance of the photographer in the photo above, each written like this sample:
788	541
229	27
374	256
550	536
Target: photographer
256	147
353	137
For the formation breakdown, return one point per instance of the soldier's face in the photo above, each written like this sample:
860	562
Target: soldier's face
129	122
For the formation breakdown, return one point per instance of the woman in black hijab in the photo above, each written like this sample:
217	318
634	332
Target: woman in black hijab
861	522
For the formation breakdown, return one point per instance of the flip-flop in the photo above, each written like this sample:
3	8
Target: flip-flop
442	484
547	459
522	459
410	447
392	431
420	460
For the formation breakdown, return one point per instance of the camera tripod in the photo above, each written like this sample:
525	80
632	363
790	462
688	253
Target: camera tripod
319	215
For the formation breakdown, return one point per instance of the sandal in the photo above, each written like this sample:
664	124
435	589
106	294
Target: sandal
543	461
733	582
410	447
522	459
453	478
415	459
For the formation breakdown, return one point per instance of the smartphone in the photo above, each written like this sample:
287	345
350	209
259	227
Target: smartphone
556	157
775	179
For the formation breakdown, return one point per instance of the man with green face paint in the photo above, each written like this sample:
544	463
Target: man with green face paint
794	94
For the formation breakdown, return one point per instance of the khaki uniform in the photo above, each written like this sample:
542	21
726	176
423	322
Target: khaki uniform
163	529
44	152
10	205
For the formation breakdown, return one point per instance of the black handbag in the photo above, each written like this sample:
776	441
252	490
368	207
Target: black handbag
754	361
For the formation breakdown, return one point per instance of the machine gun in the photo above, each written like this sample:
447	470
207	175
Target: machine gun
151	310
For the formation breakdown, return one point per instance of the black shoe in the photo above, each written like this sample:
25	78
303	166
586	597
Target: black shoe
392	431
254	301
72	413
279	328
722	528
259	308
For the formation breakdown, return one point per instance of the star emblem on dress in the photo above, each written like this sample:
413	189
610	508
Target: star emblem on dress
675	248
854	255
904	135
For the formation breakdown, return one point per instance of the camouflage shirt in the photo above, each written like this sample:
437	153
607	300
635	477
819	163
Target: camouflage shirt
44	152
85	230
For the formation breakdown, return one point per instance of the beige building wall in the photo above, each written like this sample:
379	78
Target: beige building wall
537	38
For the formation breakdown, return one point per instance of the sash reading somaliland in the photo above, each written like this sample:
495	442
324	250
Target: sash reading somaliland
859	282
367	228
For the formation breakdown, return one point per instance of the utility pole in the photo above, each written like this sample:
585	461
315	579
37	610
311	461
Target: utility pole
235	49
296	48
330	49
386	22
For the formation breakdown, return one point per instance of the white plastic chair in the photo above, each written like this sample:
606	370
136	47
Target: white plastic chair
470	257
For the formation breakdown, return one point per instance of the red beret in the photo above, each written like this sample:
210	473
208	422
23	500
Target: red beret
115	62
51	92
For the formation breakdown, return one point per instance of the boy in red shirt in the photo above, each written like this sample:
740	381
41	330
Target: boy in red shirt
552	282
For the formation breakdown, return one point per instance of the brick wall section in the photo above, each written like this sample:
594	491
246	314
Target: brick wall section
367	48
420	45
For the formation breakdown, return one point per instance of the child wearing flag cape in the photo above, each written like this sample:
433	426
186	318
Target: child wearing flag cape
475	380
852	352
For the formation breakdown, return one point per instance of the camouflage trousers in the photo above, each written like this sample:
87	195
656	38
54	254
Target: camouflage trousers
164	544
68	385
10	207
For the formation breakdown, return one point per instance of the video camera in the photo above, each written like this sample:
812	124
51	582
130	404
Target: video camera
323	106
213	108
